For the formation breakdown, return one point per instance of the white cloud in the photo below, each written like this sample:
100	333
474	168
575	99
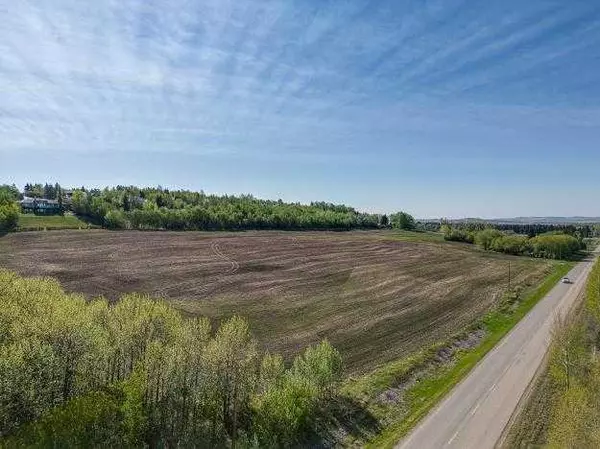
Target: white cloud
254	77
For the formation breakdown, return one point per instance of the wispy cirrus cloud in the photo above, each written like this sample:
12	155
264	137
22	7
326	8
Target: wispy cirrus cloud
297	79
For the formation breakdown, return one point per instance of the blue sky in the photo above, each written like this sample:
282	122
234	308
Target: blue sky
442	108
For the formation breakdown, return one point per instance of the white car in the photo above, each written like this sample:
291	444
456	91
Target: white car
566	280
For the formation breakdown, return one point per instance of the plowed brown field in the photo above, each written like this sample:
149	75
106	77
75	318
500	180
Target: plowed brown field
374	297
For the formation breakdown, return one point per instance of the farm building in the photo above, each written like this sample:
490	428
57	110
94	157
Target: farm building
40	206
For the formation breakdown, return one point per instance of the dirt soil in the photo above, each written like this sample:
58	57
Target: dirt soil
375	298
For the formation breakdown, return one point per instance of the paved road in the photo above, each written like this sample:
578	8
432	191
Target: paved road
476	412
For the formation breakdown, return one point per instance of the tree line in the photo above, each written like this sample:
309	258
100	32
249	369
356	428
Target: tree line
551	245
580	230
78	373
129	207
46	191
533	229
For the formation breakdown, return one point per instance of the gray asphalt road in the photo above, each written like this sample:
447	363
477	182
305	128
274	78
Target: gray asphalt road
476	412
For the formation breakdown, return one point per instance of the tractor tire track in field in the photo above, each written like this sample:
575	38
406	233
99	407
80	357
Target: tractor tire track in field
216	249
376	299
235	266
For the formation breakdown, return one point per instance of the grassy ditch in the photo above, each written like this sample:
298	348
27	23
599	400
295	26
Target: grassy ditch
419	382
564	406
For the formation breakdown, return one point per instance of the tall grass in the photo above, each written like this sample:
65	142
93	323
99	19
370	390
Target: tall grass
574	373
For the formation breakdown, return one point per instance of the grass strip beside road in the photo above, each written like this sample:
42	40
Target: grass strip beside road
424	395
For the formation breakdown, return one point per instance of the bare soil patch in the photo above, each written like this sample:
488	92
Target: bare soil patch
375	298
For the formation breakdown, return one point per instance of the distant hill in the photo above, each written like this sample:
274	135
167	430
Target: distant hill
547	220
527	220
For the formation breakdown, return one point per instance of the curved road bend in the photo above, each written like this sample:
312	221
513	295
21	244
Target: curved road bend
476	411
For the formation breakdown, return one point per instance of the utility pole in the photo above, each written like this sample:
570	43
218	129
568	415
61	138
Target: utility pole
509	276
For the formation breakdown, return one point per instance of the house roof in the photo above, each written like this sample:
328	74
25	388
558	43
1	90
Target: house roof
34	201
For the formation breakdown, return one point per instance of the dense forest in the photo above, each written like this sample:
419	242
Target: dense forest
78	373
157	208
149	208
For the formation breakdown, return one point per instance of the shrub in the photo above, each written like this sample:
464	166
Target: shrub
555	246
486	238
402	220
93	420
282	413
510	244
552	245
115	219
457	235
9	215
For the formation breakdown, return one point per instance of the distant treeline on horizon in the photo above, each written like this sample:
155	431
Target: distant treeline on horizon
584	230
518	220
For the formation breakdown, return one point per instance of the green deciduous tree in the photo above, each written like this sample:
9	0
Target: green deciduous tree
403	220
76	373
9	215
115	219
282	413
9	210
10	192
552	245
232	357
486	238
321	363
157	208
